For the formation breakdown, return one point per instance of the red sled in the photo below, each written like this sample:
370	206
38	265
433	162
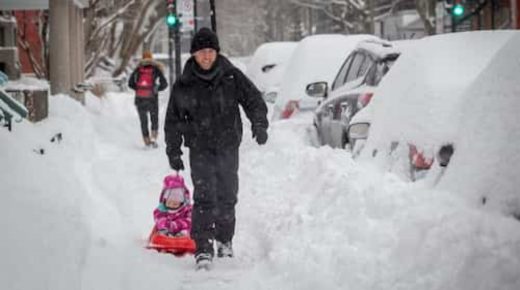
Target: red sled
179	246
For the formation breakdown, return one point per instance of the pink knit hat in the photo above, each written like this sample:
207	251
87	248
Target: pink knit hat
174	181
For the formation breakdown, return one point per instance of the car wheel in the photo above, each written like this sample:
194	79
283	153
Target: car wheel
344	142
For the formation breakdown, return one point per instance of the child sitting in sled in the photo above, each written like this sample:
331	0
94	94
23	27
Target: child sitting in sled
173	215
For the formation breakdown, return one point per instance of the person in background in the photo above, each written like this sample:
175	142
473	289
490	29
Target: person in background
203	112
147	80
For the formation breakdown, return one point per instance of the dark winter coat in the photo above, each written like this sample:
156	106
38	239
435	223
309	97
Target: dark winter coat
157	76
204	108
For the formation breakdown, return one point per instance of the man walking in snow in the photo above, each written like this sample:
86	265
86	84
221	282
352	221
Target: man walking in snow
203	111
147	80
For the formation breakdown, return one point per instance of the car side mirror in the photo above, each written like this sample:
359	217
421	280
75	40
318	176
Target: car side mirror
317	90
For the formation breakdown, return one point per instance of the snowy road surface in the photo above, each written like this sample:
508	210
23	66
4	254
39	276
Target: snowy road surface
308	218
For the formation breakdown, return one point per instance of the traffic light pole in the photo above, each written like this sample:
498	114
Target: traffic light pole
195	26
177	53
177	48
170	58
213	15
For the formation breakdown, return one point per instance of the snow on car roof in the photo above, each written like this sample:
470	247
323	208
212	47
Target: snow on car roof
420	97
270	53
380	48
316	58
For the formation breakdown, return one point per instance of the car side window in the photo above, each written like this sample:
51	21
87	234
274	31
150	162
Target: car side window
381	68
342	72
364	66
354	67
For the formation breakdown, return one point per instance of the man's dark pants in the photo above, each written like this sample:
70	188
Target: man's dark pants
147	106
214	173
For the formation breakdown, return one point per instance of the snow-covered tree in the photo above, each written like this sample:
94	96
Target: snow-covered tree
116	30
426	9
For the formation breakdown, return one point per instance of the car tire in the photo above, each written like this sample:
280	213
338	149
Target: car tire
344	142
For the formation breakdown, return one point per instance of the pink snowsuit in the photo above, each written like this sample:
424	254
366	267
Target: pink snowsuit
173	220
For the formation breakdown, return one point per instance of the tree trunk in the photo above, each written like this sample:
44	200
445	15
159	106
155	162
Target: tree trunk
426	10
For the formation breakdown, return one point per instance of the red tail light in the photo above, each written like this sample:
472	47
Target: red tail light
290	108
364	99
418	160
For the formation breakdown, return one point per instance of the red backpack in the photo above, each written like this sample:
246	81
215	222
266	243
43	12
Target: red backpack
145	82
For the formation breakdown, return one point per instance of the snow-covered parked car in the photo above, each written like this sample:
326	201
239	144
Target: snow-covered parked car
267	66
444	104
316	58
351	90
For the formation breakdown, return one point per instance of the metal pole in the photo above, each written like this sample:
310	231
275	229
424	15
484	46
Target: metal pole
170	55
195	15
177	49
453	23
492	14
213	15
177	53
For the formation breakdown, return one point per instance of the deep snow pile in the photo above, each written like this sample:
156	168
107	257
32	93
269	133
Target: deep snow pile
77	217
488	160
440	92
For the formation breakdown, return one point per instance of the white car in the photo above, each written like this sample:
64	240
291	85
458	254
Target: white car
448	112
267	66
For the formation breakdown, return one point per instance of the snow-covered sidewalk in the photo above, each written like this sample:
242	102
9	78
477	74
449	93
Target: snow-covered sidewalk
78	216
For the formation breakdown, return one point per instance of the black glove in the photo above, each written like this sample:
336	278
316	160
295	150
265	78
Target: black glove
176	163
260	134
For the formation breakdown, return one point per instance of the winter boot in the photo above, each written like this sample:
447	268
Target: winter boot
154	135
203	261
147	141
153	140
224	249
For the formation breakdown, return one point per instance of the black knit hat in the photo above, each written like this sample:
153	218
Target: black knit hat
204	38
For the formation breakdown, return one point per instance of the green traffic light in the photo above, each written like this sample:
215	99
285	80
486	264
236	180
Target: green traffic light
458	10
171	20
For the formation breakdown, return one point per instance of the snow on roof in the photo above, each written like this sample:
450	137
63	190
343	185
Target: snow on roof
7	18
27	83
35	4
316	58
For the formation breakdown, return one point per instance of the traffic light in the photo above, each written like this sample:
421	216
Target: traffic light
455	7
171	17
457	10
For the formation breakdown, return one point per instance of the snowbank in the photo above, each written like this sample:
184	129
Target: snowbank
307	218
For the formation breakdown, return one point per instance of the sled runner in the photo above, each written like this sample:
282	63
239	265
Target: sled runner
179	246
